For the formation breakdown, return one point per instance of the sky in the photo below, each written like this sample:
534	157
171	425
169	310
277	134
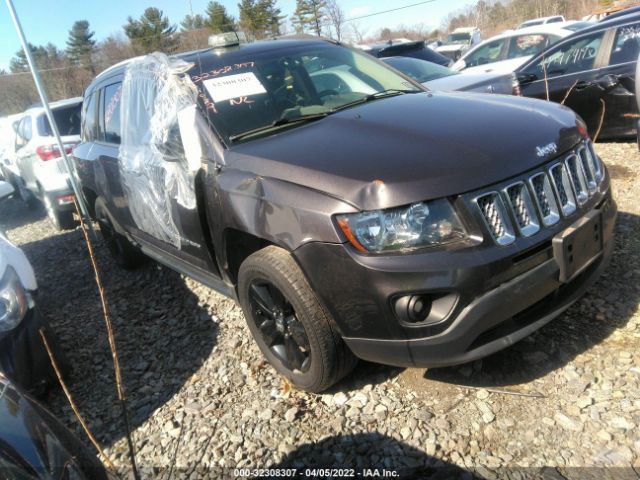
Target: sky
46	21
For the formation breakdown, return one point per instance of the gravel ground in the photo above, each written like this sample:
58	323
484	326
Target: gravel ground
202	400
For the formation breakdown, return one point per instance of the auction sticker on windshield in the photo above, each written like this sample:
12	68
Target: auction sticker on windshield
234	86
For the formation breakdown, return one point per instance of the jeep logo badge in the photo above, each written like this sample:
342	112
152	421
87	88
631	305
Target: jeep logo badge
547	149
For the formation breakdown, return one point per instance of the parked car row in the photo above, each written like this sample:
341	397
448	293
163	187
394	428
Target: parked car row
32	162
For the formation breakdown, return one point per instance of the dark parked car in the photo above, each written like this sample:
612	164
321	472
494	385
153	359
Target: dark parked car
417	49
35	445
597	63
388	223
437	77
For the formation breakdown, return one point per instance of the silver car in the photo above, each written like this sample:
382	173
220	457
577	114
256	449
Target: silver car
437	77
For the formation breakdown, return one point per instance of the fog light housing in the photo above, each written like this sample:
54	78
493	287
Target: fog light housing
413	308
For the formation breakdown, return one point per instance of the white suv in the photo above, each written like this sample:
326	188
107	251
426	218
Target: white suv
39	160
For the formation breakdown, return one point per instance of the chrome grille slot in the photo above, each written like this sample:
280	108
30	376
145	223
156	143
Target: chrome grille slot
495	217
588	168
545	200
562	185
597	165
522	208
578	180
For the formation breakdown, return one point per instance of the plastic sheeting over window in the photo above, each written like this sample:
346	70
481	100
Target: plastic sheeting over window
158	110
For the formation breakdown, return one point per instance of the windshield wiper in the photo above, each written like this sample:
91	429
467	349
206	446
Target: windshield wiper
278	123
390	92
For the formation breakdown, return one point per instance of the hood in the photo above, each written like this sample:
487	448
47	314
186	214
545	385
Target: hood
12	256
420	146
500	82
454	47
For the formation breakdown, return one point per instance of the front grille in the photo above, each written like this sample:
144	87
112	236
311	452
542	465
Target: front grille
542	198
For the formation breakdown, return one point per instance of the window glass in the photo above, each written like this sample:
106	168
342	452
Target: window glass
571	57
255	90
26	129
67	120
486	54
89	118
555	20
111	115
525	45
626	46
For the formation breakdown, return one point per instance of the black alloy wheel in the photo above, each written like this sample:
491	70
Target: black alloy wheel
279	326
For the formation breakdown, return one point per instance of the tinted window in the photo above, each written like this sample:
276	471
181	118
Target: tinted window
487	53
67	120
555	20
574	56
111	115
626	46
525	45
89	118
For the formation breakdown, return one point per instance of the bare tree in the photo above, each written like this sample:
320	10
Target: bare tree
336	17
358	33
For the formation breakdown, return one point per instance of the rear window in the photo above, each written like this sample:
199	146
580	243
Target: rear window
67	119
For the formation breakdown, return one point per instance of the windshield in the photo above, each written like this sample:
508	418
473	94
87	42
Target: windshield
459	38
419	70
249	91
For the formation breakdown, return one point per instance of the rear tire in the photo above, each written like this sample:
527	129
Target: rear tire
24	194
280	306
59	220
125	254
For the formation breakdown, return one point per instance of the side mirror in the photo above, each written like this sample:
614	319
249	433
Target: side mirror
607	82
6	190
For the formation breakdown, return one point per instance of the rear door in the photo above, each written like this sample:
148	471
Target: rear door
620	99
568	69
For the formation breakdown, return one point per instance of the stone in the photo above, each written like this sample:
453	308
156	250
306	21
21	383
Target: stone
290	414
567	423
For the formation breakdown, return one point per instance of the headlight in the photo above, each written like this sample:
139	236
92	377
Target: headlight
14	301
416	226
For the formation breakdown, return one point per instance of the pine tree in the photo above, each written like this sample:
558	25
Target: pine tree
152	32
193	22
80	43
310	15
217	18
45	57
260	18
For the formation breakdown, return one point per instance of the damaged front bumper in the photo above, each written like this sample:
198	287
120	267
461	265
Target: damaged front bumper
486	299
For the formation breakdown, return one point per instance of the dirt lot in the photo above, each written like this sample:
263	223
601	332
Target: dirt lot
202	401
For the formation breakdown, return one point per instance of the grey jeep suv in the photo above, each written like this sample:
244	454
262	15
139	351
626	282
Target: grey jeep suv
352	215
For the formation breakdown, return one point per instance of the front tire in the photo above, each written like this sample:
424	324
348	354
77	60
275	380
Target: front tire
294	332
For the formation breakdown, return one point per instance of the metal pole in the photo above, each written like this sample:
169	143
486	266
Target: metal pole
45	102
